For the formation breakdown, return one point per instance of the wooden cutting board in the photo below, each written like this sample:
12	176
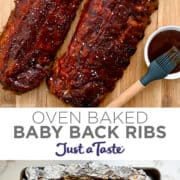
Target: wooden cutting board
164	93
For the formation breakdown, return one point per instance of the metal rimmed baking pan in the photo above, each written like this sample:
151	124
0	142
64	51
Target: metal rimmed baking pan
152	173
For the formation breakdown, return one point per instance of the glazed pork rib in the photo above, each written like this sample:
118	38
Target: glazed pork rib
31	38
104	41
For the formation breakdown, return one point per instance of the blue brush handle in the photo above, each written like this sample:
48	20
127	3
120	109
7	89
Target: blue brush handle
158	69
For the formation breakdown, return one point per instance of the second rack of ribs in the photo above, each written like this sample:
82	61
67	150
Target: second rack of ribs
104	41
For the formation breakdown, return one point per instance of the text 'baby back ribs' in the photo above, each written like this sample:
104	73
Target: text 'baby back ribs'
106	37
31	38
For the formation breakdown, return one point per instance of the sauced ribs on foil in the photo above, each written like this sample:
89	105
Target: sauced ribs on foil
104	41
84	171
31	38
97	178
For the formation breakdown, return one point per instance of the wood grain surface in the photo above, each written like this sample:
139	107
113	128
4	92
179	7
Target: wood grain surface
164	93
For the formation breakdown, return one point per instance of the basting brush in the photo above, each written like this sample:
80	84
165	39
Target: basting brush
158	69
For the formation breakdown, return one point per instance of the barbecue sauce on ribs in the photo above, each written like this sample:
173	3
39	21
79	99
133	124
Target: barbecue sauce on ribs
31	38
100	50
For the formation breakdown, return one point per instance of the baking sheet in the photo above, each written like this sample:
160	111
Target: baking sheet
152	173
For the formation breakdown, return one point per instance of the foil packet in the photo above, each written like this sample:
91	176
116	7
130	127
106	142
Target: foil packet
83	171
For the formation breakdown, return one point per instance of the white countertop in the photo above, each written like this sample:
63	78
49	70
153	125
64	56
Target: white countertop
170	170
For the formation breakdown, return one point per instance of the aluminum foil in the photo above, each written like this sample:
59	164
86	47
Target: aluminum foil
92	169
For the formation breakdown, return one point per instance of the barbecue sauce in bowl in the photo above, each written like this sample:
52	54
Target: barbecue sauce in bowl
162	42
